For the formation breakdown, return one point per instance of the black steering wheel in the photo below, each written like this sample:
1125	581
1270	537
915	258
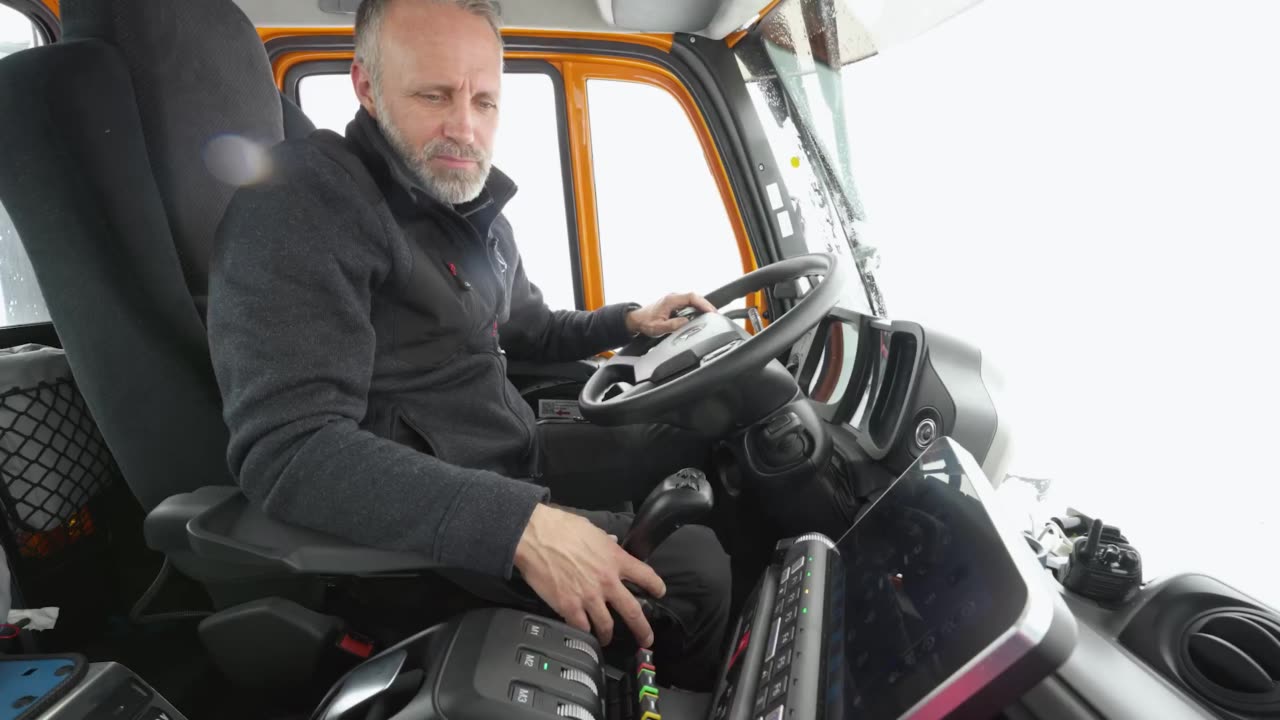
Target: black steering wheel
644	380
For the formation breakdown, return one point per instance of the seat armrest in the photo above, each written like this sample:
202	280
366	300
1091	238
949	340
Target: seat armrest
573	371
219	524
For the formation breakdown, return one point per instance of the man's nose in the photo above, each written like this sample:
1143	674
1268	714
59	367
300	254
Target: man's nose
459	126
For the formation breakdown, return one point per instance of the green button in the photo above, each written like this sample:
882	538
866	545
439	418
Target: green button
648	690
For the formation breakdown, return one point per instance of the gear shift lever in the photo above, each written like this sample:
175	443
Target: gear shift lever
681	499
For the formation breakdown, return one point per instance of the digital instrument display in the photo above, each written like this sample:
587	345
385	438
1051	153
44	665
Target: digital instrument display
928	585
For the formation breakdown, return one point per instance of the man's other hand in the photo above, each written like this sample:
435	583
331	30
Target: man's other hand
655	320
578	570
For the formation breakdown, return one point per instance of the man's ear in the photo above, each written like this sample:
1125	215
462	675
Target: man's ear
362	82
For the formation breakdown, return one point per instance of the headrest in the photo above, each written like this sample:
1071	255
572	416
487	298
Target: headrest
204	87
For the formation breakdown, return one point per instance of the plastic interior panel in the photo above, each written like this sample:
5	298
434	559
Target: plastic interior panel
110	685
880	425
33	682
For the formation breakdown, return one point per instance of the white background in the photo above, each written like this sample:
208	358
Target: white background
1089	190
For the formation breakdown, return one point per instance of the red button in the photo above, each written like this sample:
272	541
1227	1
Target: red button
359	648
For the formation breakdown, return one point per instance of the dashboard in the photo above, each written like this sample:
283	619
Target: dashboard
1185	646
896	386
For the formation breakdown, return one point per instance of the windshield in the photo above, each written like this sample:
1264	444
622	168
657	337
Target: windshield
1085	192
784	81
794	63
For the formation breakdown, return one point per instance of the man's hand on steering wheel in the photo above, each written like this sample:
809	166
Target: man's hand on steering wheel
578	570
658	319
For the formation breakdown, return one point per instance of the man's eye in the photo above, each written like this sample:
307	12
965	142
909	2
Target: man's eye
432	97
488	105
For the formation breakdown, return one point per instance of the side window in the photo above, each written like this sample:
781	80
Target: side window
20	300
663	225
528	150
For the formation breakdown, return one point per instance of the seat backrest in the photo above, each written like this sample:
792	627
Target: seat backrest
107	138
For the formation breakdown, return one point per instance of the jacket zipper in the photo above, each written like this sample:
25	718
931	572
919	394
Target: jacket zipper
491	255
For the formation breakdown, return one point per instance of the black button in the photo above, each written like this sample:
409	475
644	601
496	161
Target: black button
764	672
648	703
528	659
761	698
522	694
778	688
787	636
793	597
794	582
789	615
534	629
783	661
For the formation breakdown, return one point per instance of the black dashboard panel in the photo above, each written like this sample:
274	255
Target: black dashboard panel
898	386
1104	679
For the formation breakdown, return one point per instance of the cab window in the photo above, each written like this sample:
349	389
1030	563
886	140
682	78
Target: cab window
20	300
662	221
528	149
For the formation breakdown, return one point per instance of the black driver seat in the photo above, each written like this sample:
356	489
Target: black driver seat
112	138
103	133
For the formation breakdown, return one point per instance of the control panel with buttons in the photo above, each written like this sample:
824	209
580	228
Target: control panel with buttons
773	670
504	663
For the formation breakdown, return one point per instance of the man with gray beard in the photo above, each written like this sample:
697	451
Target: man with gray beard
363	301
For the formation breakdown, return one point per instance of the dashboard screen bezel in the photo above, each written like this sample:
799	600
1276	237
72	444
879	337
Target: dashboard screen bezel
1042	633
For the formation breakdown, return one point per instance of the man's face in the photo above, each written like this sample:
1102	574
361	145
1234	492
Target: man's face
438	100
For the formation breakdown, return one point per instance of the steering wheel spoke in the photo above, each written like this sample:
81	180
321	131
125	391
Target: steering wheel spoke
631	390
669	374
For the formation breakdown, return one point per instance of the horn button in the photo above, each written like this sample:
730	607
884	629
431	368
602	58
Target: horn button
705	338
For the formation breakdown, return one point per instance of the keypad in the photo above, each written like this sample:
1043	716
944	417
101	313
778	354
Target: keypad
786	637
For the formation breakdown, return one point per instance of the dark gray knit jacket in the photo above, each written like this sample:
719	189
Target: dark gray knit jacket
358	329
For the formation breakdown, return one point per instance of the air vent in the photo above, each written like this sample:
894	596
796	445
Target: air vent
1232	658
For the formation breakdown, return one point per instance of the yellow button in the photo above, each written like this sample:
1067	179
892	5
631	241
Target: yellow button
651	716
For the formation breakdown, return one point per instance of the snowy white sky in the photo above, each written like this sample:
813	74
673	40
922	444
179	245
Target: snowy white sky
1088	191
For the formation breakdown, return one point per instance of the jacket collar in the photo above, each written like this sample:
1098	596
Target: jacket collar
498	189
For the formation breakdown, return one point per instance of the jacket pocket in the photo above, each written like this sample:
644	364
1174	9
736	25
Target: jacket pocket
408	433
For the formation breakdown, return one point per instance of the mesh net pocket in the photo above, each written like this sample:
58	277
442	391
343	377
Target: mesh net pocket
53	461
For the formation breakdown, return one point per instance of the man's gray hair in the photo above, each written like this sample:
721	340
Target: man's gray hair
369	27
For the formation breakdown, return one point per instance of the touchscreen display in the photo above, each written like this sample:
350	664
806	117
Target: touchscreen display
928	583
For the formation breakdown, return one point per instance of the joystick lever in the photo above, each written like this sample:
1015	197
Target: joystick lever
683	498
